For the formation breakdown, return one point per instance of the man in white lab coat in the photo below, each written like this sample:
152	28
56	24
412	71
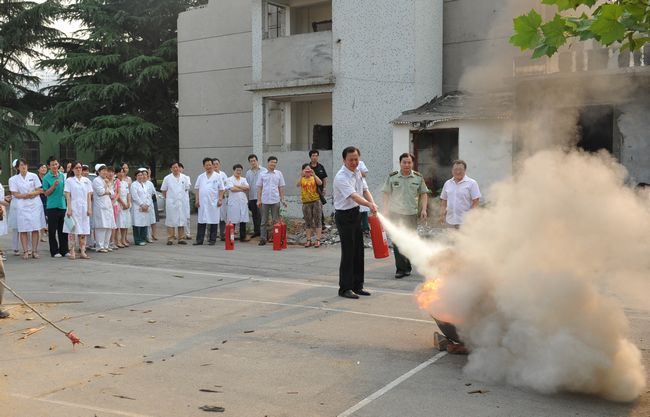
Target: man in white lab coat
209	189
174	188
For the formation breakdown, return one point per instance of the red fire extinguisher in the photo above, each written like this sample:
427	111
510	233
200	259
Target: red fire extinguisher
283	229
230	236
277	236
378	235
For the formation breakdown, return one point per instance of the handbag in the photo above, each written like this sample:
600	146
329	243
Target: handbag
70	223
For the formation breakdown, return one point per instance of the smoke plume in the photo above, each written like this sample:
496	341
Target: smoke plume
534	283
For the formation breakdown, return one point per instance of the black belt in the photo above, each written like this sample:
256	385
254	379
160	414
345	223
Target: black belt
353	209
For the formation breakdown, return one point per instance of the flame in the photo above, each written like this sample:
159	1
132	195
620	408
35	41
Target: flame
428	293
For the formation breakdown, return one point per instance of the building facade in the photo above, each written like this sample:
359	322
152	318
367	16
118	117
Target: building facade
280	78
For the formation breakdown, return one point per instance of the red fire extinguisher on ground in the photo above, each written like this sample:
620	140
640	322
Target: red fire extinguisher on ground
277	236
283	230
230	236
378	235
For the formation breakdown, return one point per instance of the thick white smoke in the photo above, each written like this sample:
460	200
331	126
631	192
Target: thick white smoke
535	281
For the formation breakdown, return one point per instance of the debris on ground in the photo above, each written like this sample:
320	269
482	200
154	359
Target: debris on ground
478	391
99	347
28	332
212	409
249	331
124	397
210	390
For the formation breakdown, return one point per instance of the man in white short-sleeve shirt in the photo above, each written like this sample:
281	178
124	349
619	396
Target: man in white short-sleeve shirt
350	192
270	194
459	195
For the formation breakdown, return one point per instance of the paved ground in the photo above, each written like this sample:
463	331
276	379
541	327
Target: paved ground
257	332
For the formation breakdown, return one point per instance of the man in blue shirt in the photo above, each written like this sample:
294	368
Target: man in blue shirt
55	209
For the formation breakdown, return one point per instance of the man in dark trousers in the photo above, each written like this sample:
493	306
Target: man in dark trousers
319	171
350	191
55	209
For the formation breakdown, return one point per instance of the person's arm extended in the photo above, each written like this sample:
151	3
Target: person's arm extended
475	202
364	201
284	203
424	200
443	211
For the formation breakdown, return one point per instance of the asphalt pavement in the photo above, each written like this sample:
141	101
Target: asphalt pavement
198	331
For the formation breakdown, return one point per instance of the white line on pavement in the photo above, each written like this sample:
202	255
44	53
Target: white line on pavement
390	386
234	300
247	276
82	406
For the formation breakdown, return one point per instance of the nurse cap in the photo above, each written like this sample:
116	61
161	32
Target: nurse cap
99	166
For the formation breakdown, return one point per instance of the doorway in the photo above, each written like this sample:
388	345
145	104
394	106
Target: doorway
435	150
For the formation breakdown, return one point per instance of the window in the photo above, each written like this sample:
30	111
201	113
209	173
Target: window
323	26
322	137
275	21
67	152
32	153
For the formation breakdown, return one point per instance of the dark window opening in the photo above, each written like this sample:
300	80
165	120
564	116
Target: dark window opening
67	152
32	153
323	26
435	150
596	129
322	138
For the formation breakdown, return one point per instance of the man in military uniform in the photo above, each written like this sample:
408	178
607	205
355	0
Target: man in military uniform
405	193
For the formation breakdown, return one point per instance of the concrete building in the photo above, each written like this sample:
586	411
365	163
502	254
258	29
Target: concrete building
282	77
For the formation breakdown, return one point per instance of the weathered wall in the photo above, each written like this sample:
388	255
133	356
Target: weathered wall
298	56
381	51
214	49
634	125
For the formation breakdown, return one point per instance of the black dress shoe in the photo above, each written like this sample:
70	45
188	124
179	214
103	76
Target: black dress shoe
361	292
349	294
182	242
262	243
197	243
408	274
400	274
212	243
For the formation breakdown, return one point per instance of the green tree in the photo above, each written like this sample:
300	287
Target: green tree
25	26
118	88
617	21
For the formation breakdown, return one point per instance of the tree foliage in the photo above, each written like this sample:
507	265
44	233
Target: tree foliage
119	80
25	27
624	22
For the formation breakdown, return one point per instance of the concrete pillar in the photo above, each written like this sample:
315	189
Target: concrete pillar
259	117
401	143
286	128
256	34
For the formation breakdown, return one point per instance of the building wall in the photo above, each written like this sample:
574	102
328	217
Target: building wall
476	37
381	50
486	147
633	125
214	50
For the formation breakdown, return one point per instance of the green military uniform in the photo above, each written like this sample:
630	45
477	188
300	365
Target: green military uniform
404	192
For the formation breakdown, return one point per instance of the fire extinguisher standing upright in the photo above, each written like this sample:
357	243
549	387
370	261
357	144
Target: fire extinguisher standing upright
277	236
378	235
230	236
283	230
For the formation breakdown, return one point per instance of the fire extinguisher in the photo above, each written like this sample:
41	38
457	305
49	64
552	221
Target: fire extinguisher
277	236
283	230
378	235
230	236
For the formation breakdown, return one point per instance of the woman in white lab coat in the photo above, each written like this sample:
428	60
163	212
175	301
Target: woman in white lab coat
153	213
4	205
103	216
124	217
26	189
78	196
238	200
142	206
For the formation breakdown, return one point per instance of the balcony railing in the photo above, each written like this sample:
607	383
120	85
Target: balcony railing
582	60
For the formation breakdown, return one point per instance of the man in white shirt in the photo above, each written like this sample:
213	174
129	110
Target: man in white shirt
252	175
459	195
270	193
351	191
223	213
